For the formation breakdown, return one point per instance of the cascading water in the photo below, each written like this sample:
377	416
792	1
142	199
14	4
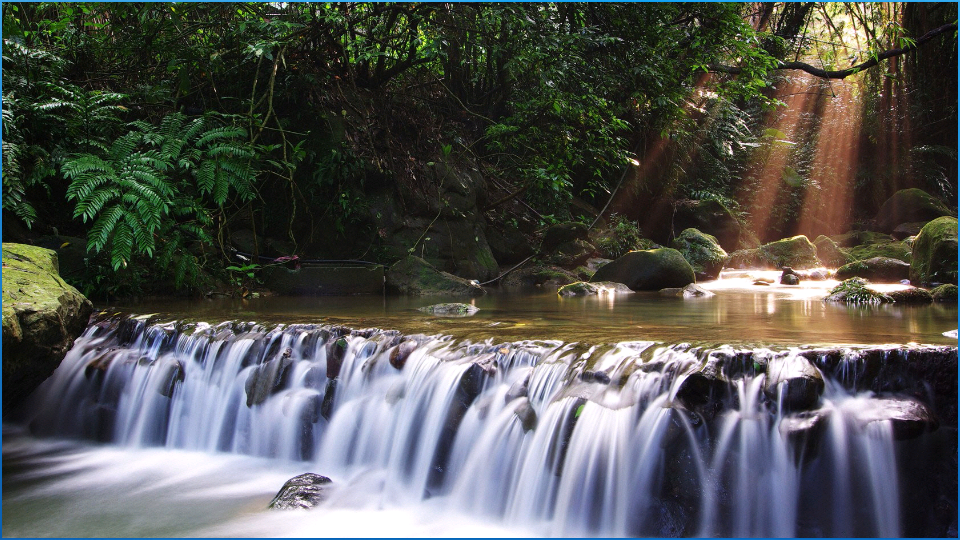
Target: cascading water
638	439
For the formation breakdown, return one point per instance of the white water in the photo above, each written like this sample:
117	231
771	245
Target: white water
441	447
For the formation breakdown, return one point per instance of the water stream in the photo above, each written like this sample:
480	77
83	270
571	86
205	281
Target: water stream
175	426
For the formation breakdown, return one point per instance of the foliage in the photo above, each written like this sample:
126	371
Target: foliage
149	188
855	291
619	237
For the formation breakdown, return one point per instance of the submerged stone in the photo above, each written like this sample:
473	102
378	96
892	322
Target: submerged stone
300	492
586	288
690	291
450	310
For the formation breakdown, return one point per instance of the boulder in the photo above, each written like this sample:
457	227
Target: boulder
795	252
876	269
42	315
690	291
648	270
415	276
888	248
303	491
913	295
789	279
508	244
851	239
855	291
585	288
562	233
935	253
945	293
830	254
908	417
702	251
538	276
909	206
793	382
710	216
268	378
906	230
450	310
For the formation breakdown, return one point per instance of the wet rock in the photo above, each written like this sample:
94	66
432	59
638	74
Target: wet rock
303	491
690	291
172	373
855	291
468	388
912	295
876	269
267	378
415	276
586	288
945	293
909	206
935	253
518	389
789	277
595	376
649	270
706	391
450	310
526	415
909	418
817	274
804	433
336	350
42	316
399	355
793	382
329	394
702	251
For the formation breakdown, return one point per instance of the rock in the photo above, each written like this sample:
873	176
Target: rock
594	264
415	276
909	417
877	269
830	254
945	293
336	350
702	251
855	291
267	378
42	316
450	310
711	217
563	233
912	295
526	414
935	253
508	244
690	291
400	353
538	276
789	279
746	258
908	206
795	252
303	491
906	230
793	382
817	274
570	254
585	288
890	249
851	239
804	432
762	282
648	270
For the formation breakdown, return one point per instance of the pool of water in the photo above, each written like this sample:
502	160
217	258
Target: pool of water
739	313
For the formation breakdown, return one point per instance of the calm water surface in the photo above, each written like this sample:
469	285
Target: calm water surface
739	313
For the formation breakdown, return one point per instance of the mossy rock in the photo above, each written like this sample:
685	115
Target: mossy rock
907	206
415	276
42	315
945	293
570	254
912	295
890	249
584	288
831	255
850	239
648	270
562	233
712	217
796	252
935	253
746	258
876	269
856	291
450	310
702	251
538	276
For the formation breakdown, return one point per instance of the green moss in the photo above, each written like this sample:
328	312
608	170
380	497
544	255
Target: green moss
945	293
795	252
855	291
702	251
891	249
830	254
912	296
935	253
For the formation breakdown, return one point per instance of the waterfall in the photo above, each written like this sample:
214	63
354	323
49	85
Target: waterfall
633	439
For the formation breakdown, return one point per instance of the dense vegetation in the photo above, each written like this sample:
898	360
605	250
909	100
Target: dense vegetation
154	131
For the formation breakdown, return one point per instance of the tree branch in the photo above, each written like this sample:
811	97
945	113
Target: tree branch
844	73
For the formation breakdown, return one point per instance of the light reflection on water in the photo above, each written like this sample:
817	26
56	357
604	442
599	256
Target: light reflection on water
739	313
